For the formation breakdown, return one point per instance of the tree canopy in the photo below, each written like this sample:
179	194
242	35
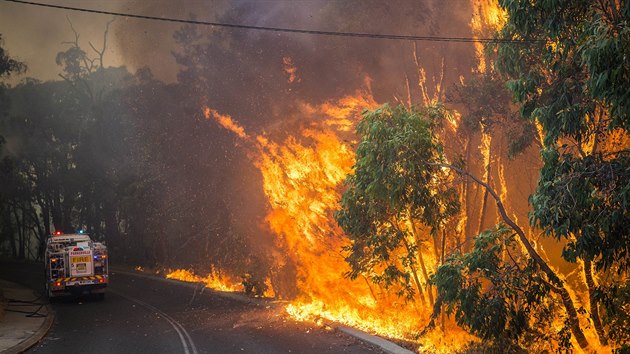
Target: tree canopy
394	191
572	78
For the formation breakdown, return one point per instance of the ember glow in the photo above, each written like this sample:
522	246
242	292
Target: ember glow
290	70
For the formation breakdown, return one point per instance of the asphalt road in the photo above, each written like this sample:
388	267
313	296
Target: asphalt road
147	315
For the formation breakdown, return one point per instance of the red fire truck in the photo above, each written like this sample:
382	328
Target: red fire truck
75	265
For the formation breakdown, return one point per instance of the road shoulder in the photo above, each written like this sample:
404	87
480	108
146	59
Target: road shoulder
27	318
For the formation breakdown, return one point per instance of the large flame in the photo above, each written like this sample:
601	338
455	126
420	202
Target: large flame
487	18
302	179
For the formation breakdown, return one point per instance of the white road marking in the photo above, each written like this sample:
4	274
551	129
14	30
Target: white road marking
184	337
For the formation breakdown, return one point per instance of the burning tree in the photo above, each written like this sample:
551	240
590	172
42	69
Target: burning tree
402	183
395	200
495	293
572	80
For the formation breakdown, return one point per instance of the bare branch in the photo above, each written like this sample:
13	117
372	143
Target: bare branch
93	47
507	249
101	53
76	34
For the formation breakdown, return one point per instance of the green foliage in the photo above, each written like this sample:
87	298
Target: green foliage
393	162
574	80
572	77
64	149
485	99
73	62
587	197
492	296
9	65
576	62
616	314
394	180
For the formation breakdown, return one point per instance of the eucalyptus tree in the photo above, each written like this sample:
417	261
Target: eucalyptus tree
395	199
401	184
496	293
8	65
571	75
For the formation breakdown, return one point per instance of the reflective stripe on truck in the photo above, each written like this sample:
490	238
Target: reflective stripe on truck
94	279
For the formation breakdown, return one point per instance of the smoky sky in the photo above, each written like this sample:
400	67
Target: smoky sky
248	61
246	69
259	78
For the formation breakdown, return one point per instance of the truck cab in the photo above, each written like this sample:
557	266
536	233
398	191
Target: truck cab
75	265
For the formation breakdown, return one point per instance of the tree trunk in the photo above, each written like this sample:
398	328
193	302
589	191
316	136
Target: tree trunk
45	205
367	282
112	231
558	284
466	199
414	273
414	232
441	263
38	230
597	323
553	277
56	212
484	204
20	233
426	276
484	201
67	206
7	229
443	246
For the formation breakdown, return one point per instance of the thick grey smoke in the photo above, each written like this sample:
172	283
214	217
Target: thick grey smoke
245	67
260	78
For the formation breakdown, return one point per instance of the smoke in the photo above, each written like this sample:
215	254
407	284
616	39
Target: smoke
245	68
36	34
264	80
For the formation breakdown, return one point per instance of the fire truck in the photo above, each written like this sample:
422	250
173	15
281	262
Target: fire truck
75	265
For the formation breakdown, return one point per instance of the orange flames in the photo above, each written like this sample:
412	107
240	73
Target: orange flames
303	176
302	179
225	121
487	17
213	280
